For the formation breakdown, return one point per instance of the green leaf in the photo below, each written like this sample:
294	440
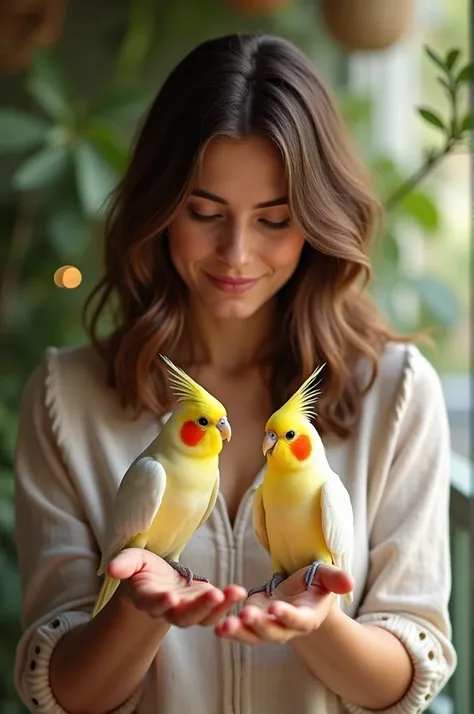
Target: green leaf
95	177
108	142
431	117
68	231
445	84
438	298
391	250
465	75
19	131
451	58
121	104
467	123
47	85
138	40
42	169
435	57
418	206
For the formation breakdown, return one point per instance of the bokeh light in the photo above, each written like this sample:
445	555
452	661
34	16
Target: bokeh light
67	276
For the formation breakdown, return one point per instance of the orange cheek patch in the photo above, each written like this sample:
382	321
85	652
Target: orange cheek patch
301	448
191	433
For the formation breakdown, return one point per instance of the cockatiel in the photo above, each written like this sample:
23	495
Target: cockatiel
302	512
170	489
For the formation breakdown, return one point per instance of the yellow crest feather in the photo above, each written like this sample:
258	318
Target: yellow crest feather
304	398
186	389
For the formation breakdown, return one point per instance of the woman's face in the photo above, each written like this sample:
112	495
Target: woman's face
233	243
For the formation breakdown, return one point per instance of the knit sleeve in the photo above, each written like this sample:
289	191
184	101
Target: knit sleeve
57	551
409	578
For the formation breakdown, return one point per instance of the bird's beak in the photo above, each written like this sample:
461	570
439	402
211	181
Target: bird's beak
268	444
224	428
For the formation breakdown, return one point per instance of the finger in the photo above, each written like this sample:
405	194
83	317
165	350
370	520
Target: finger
266	627
333	579
233	629
300	619
232	594
191	612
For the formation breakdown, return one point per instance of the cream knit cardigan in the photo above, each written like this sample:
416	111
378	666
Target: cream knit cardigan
75	443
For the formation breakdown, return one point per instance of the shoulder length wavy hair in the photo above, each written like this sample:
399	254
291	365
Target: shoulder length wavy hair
236	86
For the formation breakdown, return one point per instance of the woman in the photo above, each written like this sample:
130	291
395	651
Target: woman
236	245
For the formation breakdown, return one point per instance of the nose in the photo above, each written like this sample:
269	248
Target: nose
235	245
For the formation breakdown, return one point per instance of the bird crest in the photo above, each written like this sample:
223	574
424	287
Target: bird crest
303	400
186	389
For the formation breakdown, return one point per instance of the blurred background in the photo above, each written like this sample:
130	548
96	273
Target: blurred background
76	77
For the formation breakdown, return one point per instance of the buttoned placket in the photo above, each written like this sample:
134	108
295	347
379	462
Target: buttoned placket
236	658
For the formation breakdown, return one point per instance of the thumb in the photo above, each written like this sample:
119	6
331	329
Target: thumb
334	579
128	562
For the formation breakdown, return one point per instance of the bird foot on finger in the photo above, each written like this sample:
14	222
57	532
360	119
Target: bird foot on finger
269	586
186	572
311	573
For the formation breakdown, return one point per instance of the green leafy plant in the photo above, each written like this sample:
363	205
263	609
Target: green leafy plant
408	204
455	128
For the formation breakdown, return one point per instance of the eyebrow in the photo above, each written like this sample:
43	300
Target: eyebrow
200	193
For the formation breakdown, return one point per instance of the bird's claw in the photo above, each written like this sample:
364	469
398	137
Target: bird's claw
269	586
311	573
186	572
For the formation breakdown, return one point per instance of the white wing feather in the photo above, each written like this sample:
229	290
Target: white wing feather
136	504
338	523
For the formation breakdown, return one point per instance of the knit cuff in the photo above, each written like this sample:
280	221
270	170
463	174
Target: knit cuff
429	664
37	694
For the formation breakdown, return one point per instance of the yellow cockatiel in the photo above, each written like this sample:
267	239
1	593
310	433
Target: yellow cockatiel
302	512
171	488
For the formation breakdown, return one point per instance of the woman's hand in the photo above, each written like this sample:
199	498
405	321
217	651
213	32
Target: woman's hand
292	612
153	586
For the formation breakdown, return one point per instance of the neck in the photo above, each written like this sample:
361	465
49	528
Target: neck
229	345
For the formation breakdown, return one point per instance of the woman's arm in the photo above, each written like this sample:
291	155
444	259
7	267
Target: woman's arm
66	661
361	663
97	666
409	579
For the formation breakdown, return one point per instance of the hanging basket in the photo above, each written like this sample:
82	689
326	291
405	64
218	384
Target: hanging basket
26	25
368	24
258	7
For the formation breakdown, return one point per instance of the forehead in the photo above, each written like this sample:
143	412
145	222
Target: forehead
242	170
283	420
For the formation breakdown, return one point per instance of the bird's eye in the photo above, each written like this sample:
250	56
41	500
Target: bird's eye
202	421
290	435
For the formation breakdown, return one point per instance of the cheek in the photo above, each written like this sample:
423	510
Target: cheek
188	244
285	255
191	433
301	448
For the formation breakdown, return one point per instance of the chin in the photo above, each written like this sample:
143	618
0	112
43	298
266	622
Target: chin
233	310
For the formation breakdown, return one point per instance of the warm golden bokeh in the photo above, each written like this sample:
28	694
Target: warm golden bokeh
67	277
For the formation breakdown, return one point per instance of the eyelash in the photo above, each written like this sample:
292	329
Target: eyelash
208	219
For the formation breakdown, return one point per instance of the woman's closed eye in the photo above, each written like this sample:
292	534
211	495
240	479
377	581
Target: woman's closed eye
276	225
209	217
203	217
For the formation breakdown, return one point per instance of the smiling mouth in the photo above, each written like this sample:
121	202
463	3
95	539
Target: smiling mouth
232	285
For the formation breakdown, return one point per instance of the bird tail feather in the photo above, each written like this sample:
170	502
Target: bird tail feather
348	598
109	586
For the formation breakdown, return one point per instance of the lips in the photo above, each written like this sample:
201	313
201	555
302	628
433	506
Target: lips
231	285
